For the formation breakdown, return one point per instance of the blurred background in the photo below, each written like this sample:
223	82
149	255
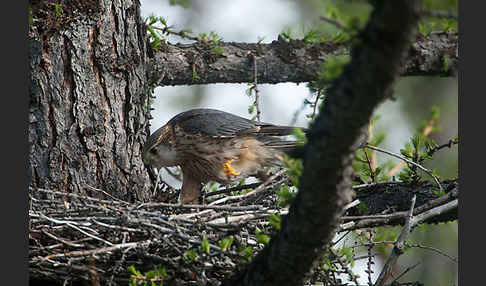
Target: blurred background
253	21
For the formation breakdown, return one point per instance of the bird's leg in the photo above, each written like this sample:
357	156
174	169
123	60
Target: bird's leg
229	171
191	188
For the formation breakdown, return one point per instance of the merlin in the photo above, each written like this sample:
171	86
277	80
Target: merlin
213	145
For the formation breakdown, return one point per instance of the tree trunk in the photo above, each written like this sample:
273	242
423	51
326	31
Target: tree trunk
88	114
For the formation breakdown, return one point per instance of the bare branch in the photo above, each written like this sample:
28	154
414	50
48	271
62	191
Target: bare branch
295	61
398	247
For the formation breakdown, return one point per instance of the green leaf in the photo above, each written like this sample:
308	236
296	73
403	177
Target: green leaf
246	253
333	67
274	220
417	141
190	255
218	50
251	108
346	252
225	243
205	244
286	34
285	195
194	73
312	36
263	238
134	271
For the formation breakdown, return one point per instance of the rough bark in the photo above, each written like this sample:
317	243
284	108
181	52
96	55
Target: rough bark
284	61
87	111
325	185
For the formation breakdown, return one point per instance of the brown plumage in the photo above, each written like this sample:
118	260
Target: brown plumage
213	145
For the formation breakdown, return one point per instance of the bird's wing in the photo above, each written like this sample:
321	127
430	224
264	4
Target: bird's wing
214	123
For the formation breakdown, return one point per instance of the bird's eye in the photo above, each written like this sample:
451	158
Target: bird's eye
153	151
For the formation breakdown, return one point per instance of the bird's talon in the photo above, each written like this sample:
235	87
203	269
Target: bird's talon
229	170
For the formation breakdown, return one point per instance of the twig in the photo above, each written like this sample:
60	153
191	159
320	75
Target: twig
255	191
315	104
355	187
71	225
335	23
435	212
179	33
370	256
75	196
372	173
444	203
98	250
105	193
437	148
410	162
454	259
405	272
61	240
202	207
398	246
233	189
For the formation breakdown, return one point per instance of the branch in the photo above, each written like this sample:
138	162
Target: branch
283	61
336	133
387	204
398	247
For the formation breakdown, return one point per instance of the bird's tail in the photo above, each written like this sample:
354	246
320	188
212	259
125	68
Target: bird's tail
279	144
276	130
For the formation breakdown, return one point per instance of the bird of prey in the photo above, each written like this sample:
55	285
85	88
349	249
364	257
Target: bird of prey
213	145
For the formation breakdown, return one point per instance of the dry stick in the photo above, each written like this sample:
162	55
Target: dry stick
71	225
410	223
449	144
314	111
255	191
438	205
355	187
75	196
405	272
61	240
370	256
233	189
372	173
335	23
207	207
98	250
398	246
105	193
408	161
118	264
432	249
180	33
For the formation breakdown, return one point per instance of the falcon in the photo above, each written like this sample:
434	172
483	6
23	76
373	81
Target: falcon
213	145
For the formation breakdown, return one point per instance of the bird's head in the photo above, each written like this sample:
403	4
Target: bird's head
159	151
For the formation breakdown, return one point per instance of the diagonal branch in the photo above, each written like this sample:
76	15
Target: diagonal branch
325	188
283	61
